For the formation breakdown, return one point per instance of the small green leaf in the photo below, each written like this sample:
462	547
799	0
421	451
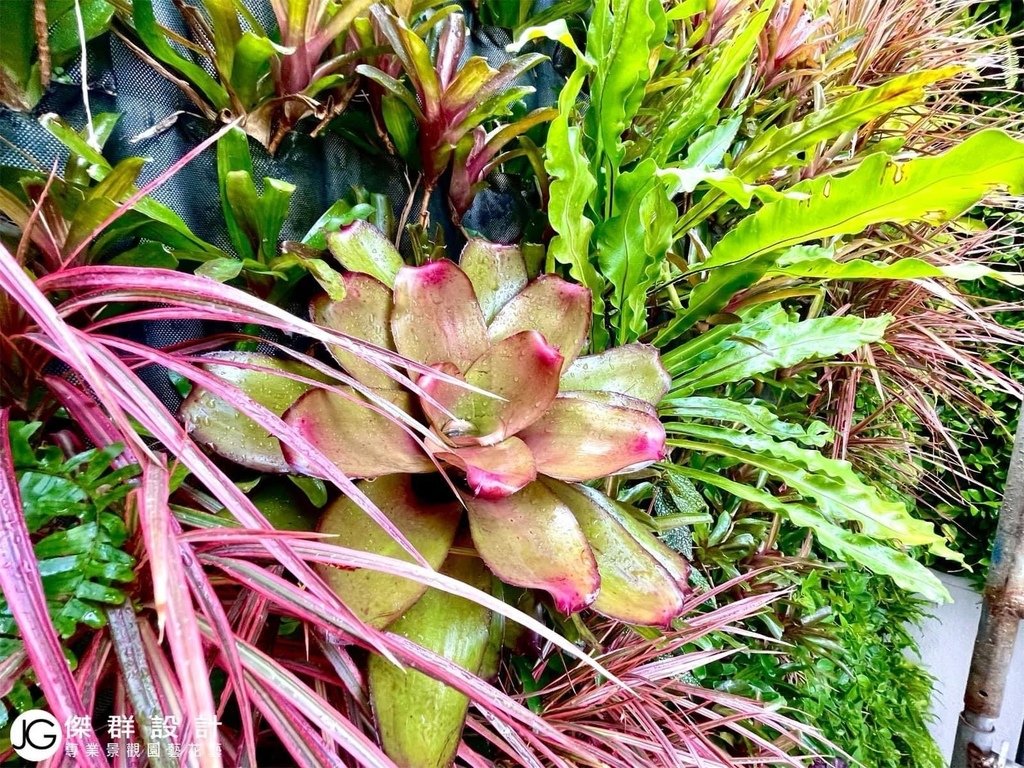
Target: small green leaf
361	247
221	270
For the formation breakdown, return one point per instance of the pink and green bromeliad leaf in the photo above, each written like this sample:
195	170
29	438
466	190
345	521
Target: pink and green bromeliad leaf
502	403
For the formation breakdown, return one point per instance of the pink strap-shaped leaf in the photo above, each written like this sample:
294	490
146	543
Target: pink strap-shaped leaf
558	310
531	539
494	471
522	371
436	318
583	438
374	596
214	423
360	441
636	587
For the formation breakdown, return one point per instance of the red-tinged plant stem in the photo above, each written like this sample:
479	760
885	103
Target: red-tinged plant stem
213	610
246	544
265	672
135	669
90	668
299	738
23	590
175	611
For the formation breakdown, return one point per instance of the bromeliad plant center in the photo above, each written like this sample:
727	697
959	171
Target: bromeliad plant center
503	405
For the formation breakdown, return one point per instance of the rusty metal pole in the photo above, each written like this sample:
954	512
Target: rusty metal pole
1001	613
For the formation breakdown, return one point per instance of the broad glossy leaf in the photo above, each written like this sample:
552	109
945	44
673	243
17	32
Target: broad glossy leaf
376	597
749	415
497	272
759	348
259	215
494	471
622	37
412	51
714	77
840	494
713	293
464	89
254	56
572	185
339	215
436	318
214	423
64	38
849	546
222	270
787	145
420	719
635	588
557	309
227	32
933	189
364	313
581	438
819	264
393	87
233	155
16	57
102	199
531	539
284	506
356	438
632	369
361	247
632	243
521	370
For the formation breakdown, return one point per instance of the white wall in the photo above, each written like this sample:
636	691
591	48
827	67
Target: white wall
947	642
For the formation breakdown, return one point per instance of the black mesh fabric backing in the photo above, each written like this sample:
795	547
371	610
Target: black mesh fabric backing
324	169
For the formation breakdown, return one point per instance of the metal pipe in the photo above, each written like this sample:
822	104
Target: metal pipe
1001	613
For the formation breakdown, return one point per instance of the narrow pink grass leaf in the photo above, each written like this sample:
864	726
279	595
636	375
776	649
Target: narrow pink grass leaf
285	594
471	758
348	673
188	366
203	298
319	465
142	405
16	282
330	554
515	741
175	611
49	247
90	667
127	205
11	668
23	589
408	653
267	673
214	612
482	694
492	735
165	684
302	742
98	428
